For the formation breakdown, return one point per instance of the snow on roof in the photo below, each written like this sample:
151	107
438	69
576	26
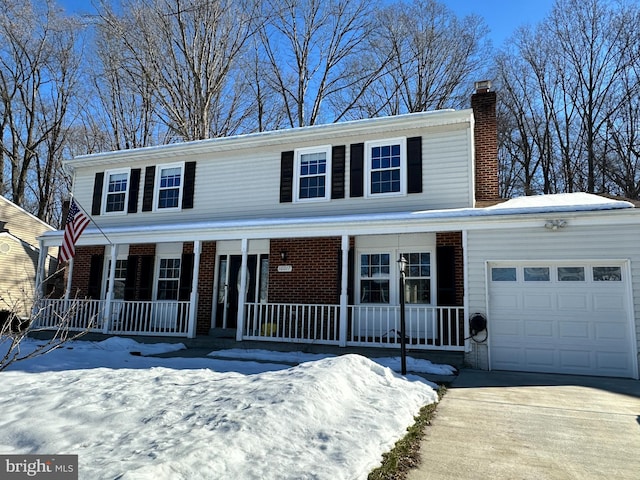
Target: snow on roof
561	202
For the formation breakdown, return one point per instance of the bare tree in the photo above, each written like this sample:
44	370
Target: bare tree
38	72
184	51
433	57
309	47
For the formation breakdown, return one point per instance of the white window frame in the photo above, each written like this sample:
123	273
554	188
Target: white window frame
105	275
368	146
156	284
297	177
394	273
105	191
157	188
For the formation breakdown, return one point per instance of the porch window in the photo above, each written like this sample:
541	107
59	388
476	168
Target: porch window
168	279
386	167
312	173
116	191
169	182
119	279
374	278
418	278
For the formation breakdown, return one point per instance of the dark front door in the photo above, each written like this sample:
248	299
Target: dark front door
229	287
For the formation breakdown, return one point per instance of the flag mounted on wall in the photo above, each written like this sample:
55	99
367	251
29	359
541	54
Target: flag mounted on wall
77	221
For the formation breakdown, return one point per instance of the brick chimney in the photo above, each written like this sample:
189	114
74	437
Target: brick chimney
483	103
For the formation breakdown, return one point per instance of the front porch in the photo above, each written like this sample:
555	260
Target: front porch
427	327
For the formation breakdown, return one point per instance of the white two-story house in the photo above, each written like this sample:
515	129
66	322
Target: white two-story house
295	236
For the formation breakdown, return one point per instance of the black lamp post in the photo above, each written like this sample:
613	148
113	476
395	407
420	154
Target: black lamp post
403	346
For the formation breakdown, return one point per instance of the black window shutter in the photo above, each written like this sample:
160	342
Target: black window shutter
356	183
146	277
95	276
96	205
337	171
134	190
286	177
147	194
414	165
446	275
189	183
130	281
186	276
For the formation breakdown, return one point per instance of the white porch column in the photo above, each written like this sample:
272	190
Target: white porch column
193	299
40	273
67	290
242	290
106	323
465	301
344	300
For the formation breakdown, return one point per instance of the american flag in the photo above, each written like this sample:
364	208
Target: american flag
77	221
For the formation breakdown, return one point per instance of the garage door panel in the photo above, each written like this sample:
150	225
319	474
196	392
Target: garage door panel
539	329
538	301
573	327
573	330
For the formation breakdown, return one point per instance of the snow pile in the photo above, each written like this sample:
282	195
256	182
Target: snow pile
327	419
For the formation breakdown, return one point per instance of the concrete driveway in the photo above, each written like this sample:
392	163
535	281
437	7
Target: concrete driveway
509	425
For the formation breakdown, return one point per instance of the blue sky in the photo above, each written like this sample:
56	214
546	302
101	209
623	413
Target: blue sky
502	16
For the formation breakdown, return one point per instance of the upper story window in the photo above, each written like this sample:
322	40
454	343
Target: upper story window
116	191
312	173
386	165
169	184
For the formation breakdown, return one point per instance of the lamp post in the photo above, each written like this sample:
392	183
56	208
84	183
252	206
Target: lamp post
403	346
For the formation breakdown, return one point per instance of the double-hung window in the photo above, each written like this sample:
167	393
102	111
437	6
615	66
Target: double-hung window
168	279
312	173
386	167
116	191
375	277
417	287
169	184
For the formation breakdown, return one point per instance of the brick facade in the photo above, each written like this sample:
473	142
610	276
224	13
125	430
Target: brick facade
82	269
315	275
454	239
485	136
205	287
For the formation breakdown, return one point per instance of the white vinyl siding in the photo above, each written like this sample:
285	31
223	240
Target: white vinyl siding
543	245
244	183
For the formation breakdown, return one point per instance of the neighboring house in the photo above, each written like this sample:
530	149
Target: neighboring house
295	235
19	252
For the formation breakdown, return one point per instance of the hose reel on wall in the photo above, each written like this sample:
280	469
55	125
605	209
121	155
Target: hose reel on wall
477	325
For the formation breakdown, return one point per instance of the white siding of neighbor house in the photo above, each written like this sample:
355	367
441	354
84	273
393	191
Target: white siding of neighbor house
245	183
572	243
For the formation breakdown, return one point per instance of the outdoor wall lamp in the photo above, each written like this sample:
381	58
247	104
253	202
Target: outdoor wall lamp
283	255
555	224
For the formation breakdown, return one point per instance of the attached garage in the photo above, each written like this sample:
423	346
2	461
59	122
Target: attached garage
572	317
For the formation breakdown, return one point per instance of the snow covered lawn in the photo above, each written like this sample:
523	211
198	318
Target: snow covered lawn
138	417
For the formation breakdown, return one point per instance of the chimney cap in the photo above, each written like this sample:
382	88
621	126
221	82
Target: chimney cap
482	86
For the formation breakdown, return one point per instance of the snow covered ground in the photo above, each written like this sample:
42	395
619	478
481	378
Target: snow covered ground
138	417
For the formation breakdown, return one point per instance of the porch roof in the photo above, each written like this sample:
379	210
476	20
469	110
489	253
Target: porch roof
579	208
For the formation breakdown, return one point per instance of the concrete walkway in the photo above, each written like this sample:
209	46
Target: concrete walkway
508	425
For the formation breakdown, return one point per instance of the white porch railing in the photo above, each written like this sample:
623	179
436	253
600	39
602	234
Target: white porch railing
292	322
161	318
427	327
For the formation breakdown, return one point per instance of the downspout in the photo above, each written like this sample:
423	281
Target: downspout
465	297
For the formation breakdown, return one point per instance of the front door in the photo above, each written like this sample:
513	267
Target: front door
229	286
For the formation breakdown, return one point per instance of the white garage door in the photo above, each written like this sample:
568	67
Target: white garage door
560	318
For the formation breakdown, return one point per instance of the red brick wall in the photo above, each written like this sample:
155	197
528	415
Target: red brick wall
486	145
81	269
205	287
454	239
315	275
